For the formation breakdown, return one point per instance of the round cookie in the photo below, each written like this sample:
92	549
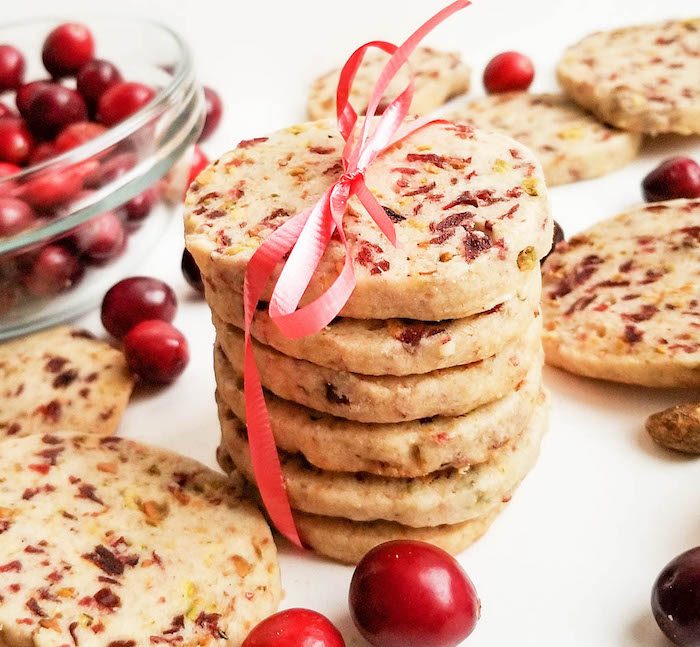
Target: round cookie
367	398
570	143
403	449
642	78
396	346
446	497
438	76
110	542
622	300
470	210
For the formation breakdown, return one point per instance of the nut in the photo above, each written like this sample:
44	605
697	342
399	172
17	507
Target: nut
677	428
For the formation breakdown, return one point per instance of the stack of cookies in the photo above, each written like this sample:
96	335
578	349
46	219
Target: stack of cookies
418	411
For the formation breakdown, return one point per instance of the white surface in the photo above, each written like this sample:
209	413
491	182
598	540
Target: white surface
572	560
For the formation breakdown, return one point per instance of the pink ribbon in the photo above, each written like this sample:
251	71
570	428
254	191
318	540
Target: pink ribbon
305	238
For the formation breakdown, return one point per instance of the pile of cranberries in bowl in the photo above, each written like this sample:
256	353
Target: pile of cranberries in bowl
98	130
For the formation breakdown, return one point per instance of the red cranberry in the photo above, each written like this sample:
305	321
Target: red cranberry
67	48
11	67
16	141
438	606
156	351
42	152
27	93
95	78
7	169
677	177
15	216
556	239
55	269
134	300
214	109
199	163
56	187
76	134
295	628
507	72
54	108
111	169
191	272
137	209
100	239
6	111
123	100
675	599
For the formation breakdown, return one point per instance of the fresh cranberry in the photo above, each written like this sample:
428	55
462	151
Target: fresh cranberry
16	141
190	271
100	239
76	134
57	186
556	239
156	351
295	628
675	599
55	269
214	109
7	169
507	72
27	93
15	216
67	48
437	605
111	169
95	78
137	209
6	111
199	163
42	152
677	177
122	100
54	108
134	300
11	67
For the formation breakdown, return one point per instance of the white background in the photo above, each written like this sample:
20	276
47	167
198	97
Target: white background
572	561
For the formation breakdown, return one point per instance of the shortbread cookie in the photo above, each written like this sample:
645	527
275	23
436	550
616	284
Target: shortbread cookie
396	346
368	398
106	542
446	497
642	78
470	210
622	299
61	378
438	75
570	143
404	449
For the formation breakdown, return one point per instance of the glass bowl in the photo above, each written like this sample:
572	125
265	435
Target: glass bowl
138	170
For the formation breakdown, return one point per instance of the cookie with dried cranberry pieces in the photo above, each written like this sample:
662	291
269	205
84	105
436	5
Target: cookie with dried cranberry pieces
389	398
439	76
470	210
642	78
570	142
62	378
105	541
621	301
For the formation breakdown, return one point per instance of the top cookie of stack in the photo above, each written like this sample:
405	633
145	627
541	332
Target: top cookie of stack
470	211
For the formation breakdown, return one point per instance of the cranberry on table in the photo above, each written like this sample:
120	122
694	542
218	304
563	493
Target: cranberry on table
214	109
11	67
95	78
412	594
15	216
677	177
100	239
156	351
137	209
199	163
675	599
508	72
295	628
67	48
76	134
54	270
27	93
123	100
16	142
191	272
556	239
53	108
134	300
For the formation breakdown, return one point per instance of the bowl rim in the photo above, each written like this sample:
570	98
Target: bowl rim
184	70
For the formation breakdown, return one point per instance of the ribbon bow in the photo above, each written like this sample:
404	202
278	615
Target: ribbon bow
305	238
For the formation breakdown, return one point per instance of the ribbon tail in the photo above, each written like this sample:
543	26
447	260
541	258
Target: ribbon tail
375	210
